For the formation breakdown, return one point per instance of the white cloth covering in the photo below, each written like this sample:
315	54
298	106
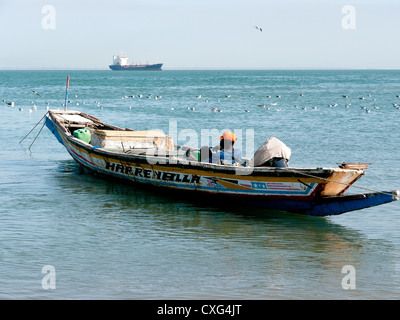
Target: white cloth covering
271	148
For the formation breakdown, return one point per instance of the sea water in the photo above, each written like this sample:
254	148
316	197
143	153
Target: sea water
66	234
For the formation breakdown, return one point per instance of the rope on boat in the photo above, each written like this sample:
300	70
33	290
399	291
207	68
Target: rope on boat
33	128
44	122
346	184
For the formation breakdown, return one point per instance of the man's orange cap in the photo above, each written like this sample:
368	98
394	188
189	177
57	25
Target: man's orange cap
229	135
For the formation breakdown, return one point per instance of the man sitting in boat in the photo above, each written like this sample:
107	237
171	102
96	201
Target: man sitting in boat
224	153
272	153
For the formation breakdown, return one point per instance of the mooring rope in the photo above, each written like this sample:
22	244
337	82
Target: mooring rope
44	122
33	128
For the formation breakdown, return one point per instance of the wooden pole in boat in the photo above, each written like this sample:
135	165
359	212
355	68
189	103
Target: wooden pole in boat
66	94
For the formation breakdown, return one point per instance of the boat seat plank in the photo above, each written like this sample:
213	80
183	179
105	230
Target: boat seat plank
73	118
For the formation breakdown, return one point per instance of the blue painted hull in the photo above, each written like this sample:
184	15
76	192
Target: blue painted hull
147	67
328	206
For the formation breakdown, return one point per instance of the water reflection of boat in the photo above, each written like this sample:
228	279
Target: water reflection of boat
151	158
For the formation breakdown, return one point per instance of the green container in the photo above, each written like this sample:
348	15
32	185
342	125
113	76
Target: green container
196	154
83	134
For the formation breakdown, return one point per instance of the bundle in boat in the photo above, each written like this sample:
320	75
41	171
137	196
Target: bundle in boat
125	139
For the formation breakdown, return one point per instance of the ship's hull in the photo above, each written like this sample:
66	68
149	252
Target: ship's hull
137	67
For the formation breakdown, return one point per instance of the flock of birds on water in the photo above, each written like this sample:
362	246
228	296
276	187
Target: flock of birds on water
267	105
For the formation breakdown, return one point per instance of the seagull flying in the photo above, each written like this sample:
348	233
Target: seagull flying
258	28
35	92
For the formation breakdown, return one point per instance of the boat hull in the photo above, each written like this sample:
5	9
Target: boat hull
147	67
285	189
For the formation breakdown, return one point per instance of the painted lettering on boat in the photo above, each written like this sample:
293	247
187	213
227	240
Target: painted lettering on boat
258	185
152	174
279	186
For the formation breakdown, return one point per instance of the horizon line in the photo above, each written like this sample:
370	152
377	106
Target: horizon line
201	69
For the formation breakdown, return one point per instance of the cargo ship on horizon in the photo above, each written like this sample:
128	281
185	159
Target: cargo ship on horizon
120	63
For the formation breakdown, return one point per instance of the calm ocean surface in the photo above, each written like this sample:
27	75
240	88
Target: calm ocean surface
107	240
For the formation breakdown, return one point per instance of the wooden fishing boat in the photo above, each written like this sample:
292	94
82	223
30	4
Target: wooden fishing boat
151	158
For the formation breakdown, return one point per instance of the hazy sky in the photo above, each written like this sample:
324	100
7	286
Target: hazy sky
200	34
